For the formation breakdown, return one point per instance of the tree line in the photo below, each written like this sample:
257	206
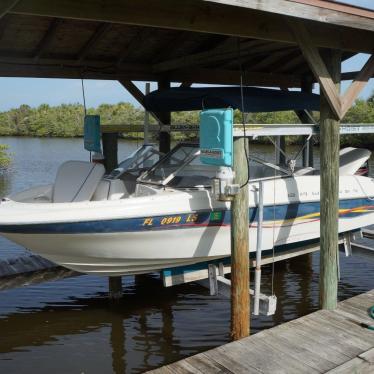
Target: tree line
66	120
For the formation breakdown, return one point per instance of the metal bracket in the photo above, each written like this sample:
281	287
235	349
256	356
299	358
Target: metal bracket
219	285
347	244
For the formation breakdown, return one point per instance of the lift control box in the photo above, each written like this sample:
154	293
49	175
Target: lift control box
216	136
92	133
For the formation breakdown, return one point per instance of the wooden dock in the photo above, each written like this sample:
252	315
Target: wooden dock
321	342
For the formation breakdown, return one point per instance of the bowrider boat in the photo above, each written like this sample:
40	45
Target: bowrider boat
124	224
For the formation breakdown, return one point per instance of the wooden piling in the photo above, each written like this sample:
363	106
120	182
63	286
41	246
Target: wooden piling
110	151
281	147
115	288
240	307
165	118
329	155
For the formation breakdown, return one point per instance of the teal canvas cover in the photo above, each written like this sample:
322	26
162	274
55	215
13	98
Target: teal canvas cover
216	140
92	133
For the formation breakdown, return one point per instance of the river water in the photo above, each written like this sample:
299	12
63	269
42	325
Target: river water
69	326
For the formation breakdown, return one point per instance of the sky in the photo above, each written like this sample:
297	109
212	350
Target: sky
35	91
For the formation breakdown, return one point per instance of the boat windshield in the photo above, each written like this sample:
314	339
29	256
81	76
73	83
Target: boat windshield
181	168
140	160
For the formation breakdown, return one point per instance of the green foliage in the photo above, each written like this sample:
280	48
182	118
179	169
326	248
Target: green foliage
67	120
4	157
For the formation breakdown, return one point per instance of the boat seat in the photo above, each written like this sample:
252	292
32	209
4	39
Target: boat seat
76	181
351	159
110	189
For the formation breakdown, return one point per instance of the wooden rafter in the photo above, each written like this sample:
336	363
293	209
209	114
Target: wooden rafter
193	15
265	62
99	32
317	65
136	93
164	49
357	85
47	38
6	6
291	64
131	44
220	53
3	25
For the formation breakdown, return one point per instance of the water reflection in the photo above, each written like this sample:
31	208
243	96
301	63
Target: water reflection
151	325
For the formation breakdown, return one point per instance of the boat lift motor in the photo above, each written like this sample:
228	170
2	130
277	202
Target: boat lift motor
216	147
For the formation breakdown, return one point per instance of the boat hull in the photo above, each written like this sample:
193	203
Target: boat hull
173	228
144	251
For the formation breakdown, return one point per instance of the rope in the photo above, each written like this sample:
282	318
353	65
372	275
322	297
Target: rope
84	106
371	314
243	112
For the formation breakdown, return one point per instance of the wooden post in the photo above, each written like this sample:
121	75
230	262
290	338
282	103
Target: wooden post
110	151
281	144
146	116
240	307
165	118
329	154
115	288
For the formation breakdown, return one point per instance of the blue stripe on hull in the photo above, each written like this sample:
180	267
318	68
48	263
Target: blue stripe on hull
188	220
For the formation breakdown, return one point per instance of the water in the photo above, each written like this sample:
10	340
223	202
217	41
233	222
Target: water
69	326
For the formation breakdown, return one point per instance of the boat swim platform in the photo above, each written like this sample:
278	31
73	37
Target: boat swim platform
321	342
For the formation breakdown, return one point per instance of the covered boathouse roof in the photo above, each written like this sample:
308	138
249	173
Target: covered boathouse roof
189	41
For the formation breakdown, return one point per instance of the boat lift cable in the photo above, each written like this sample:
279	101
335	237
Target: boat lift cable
84	105
243	112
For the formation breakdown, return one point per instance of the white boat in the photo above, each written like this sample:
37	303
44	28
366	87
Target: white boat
116	225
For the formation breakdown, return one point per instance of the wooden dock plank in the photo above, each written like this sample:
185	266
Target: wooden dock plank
315	344
355	336
291	349
363	364
321	342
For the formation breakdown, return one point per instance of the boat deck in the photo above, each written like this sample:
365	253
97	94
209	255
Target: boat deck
321	342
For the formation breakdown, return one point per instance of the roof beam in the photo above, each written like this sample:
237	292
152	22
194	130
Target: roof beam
196	15
321	11
142	73
351	75
47	38
99	32
357	85
317	65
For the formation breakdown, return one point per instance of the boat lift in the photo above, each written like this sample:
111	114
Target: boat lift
212	274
